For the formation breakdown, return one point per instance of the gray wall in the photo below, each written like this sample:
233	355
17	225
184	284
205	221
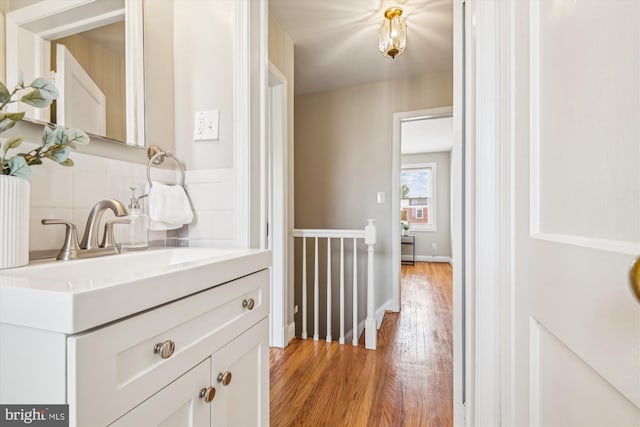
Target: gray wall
343	152
442	236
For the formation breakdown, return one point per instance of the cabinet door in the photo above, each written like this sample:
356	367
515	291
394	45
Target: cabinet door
244	401
178	404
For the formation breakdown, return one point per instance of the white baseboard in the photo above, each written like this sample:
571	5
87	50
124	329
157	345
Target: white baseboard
380	312
426	258
289	333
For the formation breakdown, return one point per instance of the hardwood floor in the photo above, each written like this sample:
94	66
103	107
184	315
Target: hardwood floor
408	381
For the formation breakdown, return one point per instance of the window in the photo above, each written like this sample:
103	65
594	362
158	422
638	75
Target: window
418	196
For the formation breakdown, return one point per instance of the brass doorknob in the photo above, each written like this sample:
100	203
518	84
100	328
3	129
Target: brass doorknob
208	394
248	303
634	276
224	378
165	348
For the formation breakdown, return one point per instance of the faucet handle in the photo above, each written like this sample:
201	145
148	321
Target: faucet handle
70	248
108	240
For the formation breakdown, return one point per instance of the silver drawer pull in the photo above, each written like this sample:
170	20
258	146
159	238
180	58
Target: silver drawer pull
248	303
165	349
208	394
224	378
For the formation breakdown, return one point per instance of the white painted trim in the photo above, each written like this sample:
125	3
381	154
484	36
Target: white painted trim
280	241
428	258
494	260
290	332
134	73
462	226
43	9
380	312
329	233
241	126
616	246
433	206
43	13
398	118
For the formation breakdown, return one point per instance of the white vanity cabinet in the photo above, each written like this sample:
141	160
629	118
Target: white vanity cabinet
236	374
197	360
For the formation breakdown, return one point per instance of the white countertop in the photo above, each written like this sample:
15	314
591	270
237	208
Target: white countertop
73	296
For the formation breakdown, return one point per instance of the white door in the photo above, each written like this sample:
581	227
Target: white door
577	212
81	103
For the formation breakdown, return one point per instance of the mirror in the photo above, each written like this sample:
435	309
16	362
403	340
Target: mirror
93	51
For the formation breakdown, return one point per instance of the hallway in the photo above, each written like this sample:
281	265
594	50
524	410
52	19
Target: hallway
408	381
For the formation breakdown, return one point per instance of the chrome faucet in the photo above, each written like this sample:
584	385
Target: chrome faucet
90	237
89	246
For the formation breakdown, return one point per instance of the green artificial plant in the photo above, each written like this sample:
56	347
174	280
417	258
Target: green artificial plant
57	142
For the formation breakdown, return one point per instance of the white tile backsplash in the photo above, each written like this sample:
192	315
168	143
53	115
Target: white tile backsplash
70	193
211	194
86	186
51	186
212	225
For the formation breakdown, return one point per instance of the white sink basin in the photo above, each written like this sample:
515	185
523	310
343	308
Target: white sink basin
117	267
73	296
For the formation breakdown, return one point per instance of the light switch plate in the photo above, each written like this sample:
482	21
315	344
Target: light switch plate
381	197
207	125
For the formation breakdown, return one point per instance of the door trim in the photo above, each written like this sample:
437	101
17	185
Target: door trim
493	256
279	206
398	118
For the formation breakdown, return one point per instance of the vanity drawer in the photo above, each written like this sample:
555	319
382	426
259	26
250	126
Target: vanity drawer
114	368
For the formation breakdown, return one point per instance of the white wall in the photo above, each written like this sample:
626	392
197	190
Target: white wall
218	66
203	67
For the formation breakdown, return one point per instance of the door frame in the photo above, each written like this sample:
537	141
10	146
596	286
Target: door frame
278	204
490	100
398	119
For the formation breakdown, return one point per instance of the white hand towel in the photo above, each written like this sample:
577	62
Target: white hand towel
169	207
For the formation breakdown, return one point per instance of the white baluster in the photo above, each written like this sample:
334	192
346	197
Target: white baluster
328	289
316	289
354	340
304	288
371	329
341	339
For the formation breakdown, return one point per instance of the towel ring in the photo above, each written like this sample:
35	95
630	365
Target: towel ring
158	158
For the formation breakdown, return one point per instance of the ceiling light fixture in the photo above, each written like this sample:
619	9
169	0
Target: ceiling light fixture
393	33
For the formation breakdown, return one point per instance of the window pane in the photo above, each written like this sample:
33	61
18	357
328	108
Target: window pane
415	183
416	194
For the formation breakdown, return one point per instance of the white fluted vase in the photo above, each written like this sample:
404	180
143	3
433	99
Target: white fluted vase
14	221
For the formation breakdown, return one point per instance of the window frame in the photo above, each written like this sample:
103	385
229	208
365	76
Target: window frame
432	205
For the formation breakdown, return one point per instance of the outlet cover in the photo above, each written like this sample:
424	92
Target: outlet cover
206	126
434	246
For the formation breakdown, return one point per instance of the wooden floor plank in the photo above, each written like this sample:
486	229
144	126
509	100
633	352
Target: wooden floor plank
407	381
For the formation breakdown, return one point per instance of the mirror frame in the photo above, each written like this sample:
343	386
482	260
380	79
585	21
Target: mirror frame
43	15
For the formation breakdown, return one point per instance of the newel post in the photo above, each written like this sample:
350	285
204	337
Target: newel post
371	330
